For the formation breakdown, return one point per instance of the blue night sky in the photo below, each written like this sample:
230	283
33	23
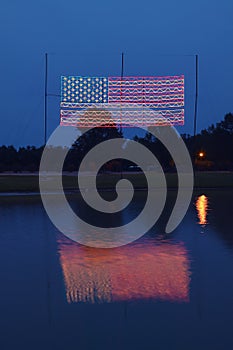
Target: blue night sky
87	38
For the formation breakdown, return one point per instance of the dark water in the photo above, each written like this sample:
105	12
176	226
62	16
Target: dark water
162	292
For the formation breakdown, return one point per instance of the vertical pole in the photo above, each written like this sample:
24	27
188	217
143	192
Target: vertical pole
122	75
196	99
195	110
46	231
45	98
122	64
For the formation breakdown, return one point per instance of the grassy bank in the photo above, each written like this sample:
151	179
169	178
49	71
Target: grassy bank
30	183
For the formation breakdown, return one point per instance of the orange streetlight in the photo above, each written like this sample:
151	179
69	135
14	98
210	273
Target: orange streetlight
201	154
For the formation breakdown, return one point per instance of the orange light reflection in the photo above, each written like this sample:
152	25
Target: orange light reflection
131	272
202	207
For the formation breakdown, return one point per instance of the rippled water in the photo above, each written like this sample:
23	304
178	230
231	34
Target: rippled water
161	292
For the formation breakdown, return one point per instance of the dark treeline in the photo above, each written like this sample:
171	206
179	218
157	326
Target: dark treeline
211	149
23	159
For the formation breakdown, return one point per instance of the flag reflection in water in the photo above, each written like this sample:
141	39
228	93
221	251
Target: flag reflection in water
133	272
202	208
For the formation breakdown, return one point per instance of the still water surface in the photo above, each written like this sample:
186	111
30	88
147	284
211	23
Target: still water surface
161	292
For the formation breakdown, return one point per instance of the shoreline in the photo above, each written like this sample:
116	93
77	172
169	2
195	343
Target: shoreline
29	183
73	192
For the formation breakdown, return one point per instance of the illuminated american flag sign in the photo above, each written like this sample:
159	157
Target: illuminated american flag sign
126	101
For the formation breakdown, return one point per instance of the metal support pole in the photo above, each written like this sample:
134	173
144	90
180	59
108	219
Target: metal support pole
122	74
45	98
195	110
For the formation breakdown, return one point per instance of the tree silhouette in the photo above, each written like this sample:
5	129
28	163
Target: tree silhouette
106	129
215	142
